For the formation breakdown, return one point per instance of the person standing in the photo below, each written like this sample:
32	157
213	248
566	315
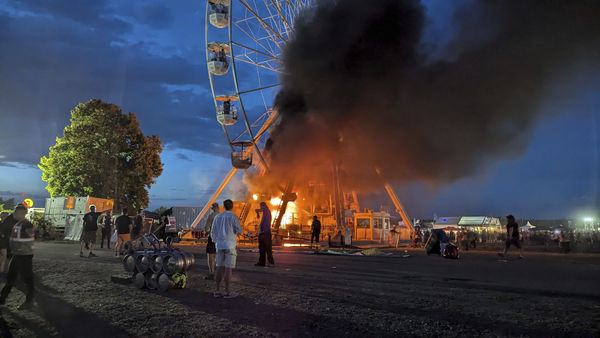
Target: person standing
138	224
90	229
124	227
6	223
21	246
107	225
512	236
211	249
226	227
265	244
315	231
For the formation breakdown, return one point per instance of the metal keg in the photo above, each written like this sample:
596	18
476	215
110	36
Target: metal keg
151	280
174	262
129	263
139	280
142	261
156	262
189	260
164	282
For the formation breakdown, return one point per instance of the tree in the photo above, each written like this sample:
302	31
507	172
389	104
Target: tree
8	204
103	153
160	210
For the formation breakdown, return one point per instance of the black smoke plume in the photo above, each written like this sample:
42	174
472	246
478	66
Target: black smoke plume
361	87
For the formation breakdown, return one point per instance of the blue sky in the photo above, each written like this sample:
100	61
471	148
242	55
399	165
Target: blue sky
148	57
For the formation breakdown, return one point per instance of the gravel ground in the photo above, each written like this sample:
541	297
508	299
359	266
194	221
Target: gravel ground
318	295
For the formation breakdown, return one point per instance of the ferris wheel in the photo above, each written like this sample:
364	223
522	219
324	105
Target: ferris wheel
244	42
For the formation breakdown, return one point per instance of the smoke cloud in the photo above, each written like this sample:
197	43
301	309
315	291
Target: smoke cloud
361	88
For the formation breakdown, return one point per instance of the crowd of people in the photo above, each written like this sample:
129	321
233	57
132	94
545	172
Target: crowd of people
119	229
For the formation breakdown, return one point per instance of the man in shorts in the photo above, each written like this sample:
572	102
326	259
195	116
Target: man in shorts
211	249
124	226
512	236
225	228
90	228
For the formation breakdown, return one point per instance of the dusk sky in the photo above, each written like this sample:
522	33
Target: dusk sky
148	57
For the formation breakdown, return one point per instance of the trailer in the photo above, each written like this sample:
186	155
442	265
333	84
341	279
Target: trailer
66	213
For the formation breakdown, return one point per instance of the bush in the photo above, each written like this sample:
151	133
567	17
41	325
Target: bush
44	229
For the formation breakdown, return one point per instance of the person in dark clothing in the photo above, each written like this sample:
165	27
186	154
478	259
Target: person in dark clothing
315	231
123	225
90	228
6	224
138	222
512	236
107	224
211	249
265	244
21	244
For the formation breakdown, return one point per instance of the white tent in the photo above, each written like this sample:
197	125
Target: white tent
528	226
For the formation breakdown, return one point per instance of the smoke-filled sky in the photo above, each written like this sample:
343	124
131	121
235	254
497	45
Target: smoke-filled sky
492	105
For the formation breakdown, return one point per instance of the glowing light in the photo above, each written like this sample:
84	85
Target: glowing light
290	213
588	219
255	197
275	201
288	245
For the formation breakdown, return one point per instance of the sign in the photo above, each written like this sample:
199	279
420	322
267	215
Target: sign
28	202
70	202
172	225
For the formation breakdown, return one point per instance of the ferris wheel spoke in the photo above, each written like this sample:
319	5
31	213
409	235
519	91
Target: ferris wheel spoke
258	89
258	64
258	40
275	17
271	56
265	25
277	5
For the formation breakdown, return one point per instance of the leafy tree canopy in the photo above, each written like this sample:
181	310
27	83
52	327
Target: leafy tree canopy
103	153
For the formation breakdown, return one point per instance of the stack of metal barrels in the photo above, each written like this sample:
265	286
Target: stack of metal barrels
157	267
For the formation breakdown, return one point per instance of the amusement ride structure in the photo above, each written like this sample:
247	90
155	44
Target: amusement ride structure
244	45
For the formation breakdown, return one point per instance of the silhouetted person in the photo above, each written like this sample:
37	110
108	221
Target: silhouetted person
90	229
107	225
211	249
138	224
315	231
265	245
124	226
6	224
512	236
21	264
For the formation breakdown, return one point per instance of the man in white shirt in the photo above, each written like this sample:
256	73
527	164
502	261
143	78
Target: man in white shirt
225	228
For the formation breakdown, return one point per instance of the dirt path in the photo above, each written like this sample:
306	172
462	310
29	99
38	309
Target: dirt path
311	295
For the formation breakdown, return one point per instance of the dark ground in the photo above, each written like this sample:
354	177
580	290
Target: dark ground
543	295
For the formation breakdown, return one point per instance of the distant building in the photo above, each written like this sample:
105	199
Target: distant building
475	223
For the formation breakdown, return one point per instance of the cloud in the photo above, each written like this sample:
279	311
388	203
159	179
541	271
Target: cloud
183	157
58	53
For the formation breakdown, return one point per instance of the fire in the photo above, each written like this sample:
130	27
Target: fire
275	201
291	213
